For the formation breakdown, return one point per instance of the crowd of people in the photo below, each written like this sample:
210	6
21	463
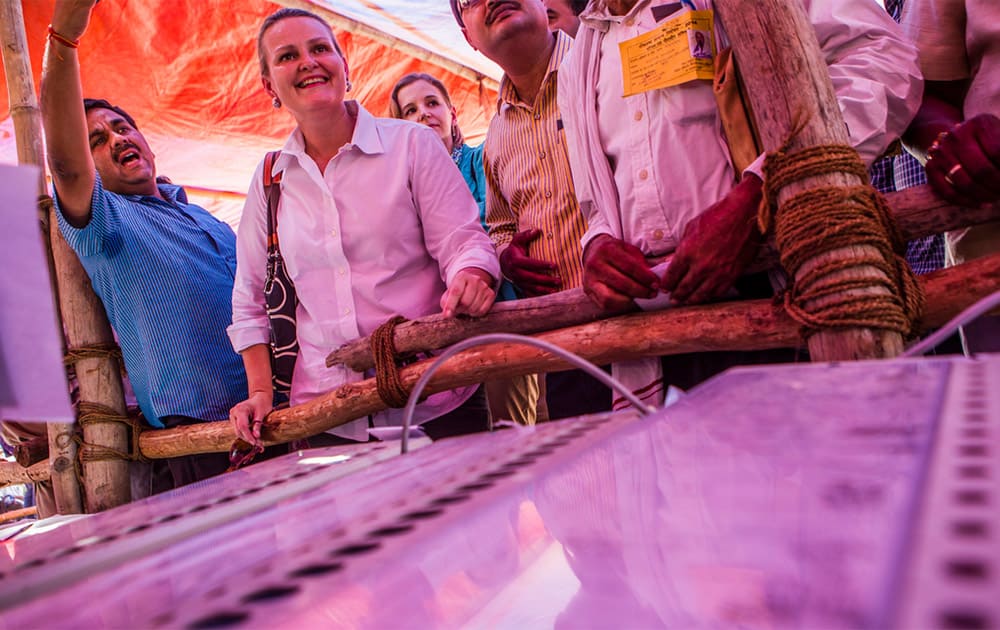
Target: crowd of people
576	185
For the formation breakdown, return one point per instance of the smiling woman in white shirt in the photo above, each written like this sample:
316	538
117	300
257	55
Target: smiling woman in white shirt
373	221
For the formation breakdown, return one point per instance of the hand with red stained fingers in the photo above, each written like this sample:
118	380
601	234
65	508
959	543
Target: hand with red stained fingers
615	273
717	246
963	164
247	417
531	275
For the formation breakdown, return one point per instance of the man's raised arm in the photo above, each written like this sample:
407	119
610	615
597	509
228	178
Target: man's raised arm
63	116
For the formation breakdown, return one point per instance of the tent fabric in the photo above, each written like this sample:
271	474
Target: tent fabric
187	71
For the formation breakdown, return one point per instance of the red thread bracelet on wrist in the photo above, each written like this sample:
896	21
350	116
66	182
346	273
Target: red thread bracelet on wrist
62	39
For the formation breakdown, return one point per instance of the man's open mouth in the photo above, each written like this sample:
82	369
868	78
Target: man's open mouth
128	156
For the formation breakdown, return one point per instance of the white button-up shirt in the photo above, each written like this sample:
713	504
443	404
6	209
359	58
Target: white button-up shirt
664	147
380	232
645	165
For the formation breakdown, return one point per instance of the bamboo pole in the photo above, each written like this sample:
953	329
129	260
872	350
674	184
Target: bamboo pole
527	316
748	325
793	91
918	211
30	150
12	473
105	482
13	515
83	318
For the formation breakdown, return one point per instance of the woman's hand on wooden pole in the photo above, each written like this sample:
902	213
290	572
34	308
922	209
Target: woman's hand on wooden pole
247	418
471	292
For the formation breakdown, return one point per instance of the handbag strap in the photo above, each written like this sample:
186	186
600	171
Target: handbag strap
272	191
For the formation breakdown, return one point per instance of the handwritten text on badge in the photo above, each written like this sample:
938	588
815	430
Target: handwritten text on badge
675	52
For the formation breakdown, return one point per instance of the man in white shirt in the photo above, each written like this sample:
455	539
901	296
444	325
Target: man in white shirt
652	170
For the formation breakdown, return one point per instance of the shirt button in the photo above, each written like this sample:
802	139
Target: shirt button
644	174
538	116
630	22
638	116
333	233
541	156
347	311
341	271
658	235
551	235
548	194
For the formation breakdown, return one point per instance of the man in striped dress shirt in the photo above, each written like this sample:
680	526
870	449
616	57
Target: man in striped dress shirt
531	208
162	267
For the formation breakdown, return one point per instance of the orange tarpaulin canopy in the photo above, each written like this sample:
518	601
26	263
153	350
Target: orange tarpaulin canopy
187	71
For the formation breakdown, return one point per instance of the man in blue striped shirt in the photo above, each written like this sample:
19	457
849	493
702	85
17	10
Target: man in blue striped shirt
162	267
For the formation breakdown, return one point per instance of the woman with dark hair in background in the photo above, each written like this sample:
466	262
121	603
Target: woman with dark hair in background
423	99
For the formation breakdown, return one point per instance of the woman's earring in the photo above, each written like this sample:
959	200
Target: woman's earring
276	102
349	86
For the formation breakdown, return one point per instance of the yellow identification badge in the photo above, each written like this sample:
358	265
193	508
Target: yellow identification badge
675	52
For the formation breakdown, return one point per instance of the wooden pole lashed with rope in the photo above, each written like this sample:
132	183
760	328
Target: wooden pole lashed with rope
101	460
847	288
28	136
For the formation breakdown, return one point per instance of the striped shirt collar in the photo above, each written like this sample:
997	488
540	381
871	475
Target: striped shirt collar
174	194
507	95
171	193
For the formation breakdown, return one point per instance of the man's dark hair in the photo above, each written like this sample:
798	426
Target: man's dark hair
576	6
100	103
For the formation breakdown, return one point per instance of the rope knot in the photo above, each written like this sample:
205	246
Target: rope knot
91	413
108	351
387	379
875	288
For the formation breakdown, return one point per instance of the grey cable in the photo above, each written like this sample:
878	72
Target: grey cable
480	340
963	318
